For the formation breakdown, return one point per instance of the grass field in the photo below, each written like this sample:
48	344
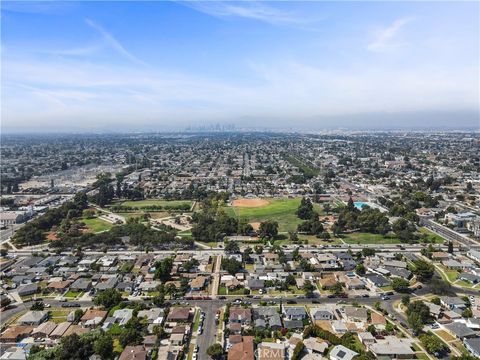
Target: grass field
452	275
97	225
303	166
157	202
281	210
432	237
367	238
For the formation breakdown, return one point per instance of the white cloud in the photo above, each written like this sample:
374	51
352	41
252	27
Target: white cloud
111	41
251	10
386	38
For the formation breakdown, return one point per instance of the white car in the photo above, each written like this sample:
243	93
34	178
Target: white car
194	356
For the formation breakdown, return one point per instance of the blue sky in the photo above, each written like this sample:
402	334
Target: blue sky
93	66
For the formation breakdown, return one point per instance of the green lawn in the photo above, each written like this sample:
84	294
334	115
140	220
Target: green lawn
222	290
367	238
451	274
157	202
73	294
431	237
281	210
312	240
303	166
97	225
196	321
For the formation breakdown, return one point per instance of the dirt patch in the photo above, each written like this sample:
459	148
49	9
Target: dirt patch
255	225
250	203
52	236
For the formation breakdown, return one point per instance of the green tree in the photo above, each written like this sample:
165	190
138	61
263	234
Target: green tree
268	229
337	288
163	269
432	343
297	352
38	305
305	209
405	300
258	249
418	314
423	269
231	265
108	298
450	247
103	346
400	285
360	269
231	247
467	313
309	288
215	351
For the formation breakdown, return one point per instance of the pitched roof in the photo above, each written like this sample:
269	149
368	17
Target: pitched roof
242	350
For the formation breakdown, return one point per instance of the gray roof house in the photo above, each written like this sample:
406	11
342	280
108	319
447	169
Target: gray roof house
33	318
473	346
267	317
322	314
255	284
28	289
123	315
377	280
81	284
295	312
460	330
452	302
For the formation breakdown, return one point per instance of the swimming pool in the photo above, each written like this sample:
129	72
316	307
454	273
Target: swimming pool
360	204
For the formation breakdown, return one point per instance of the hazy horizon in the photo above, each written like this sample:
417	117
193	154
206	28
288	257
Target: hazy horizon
165	66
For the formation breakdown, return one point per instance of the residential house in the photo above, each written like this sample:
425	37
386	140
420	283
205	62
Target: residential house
181	314
60	330
81	284
322	314
243	350
315	346
452	302
177	339
471	278
473	346
33	318
14	334
44	330
294	312
28	289
270	351
393	348
267	317
153	316
356	313
93	317
377	280
240	315
122	316
255	284
198	283
340	352
460	330
133	353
